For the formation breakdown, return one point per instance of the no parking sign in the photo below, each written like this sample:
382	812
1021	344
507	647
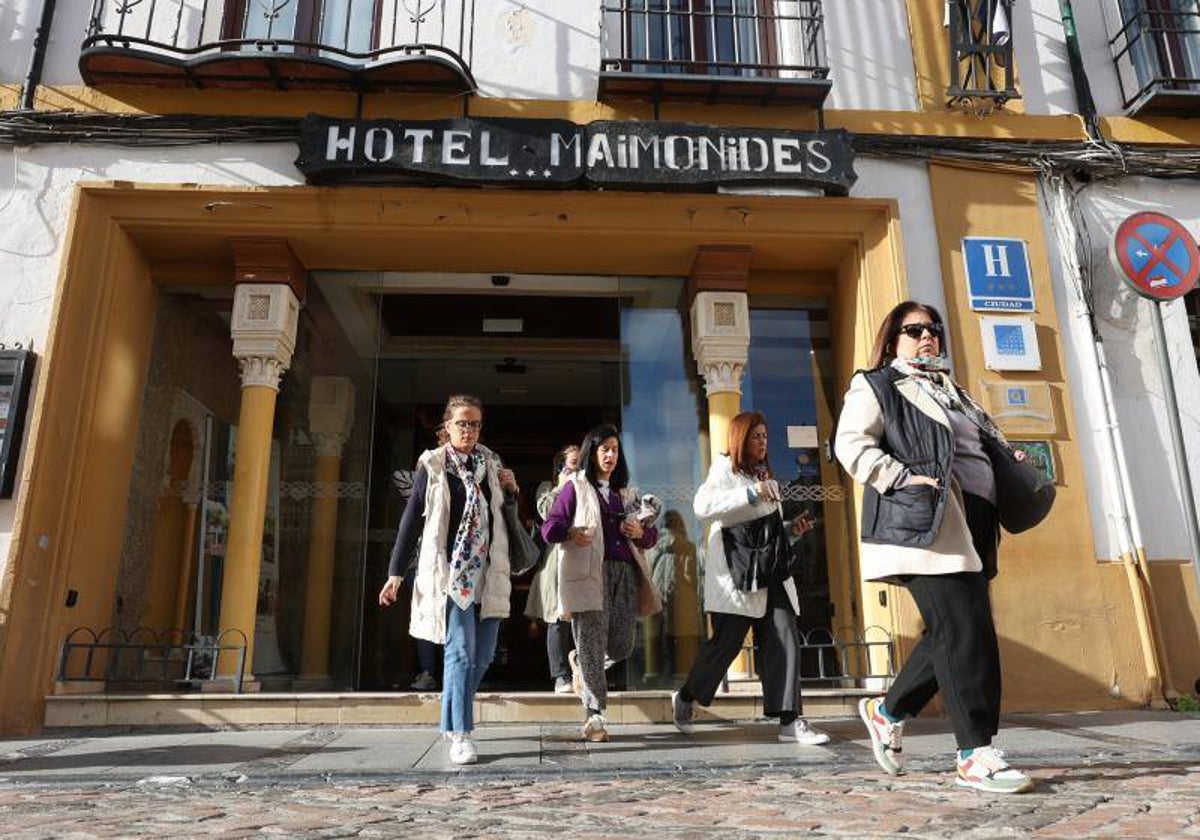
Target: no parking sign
1158	256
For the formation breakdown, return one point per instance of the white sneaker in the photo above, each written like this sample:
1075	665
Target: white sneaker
594	730
885	736
681	714
562	685
462	749
799	732
424	681
985	769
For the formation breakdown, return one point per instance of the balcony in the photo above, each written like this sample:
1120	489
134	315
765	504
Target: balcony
360	45
758	51
981	53
1157	53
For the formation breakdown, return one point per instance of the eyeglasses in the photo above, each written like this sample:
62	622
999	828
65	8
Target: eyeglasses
758	437
468	425
915	331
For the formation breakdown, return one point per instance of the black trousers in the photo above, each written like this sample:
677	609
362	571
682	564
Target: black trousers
958	654
779	666
559	642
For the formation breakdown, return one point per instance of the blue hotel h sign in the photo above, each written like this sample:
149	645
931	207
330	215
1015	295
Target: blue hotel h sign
998	276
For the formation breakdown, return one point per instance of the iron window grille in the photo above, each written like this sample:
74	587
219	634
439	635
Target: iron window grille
719	49
1157	53
365	44
981	52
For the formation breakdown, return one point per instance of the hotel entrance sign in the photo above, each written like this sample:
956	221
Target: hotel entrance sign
998	276
563	155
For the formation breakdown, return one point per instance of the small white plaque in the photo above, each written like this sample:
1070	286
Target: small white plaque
802	437
1010	344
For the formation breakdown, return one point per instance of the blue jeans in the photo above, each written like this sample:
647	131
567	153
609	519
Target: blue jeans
470	646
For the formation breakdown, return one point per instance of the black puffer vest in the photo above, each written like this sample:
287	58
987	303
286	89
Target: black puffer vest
909	516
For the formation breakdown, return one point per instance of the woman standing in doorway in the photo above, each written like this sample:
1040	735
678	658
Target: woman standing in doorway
914	439
740	493
603	579
542	604
462	588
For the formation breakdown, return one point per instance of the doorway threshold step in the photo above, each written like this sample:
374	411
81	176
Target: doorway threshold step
218	711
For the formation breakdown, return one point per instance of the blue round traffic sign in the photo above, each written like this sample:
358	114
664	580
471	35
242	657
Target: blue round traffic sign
1158	256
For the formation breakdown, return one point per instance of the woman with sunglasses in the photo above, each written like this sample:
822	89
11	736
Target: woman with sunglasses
604	581
453	523
913	437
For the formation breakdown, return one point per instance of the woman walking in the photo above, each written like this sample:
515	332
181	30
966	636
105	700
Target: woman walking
913	438
542	603
744	589
603	579
461	589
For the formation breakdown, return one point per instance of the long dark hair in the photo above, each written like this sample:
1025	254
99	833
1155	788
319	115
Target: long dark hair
885	340
587	456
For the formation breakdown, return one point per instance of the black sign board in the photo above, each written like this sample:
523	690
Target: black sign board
16	375
562	155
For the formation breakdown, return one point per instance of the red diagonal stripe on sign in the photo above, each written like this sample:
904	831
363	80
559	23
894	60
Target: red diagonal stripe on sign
1160	256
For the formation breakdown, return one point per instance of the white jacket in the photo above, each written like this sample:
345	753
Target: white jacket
722	500
432	583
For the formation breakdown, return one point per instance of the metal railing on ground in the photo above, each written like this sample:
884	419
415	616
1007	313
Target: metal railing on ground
145	656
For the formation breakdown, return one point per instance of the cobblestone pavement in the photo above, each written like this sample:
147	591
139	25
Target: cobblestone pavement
1112	775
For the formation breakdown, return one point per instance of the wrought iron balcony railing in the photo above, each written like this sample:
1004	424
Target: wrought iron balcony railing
722	50
1157	53
981	52
365	45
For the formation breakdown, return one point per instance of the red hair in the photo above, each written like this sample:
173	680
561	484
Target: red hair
740	429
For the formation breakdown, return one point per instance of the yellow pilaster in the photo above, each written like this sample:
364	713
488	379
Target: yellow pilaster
318	596
251	471
263	326
187	552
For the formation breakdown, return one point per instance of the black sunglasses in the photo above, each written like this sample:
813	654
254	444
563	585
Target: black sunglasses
915	331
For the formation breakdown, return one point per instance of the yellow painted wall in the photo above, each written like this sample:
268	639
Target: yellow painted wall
67	532
1054	614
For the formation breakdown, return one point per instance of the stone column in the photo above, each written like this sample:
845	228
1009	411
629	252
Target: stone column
330	418
264	322
721	346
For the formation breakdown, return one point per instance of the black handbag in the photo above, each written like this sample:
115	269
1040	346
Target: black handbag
757	552
1023	494
523	552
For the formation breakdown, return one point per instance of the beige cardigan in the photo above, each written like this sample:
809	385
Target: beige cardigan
859	430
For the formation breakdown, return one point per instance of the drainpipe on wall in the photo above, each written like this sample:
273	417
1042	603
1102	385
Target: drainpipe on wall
1112	461
41	40
1079	79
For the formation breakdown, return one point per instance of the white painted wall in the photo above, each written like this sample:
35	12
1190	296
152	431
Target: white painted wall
1125	327
1040	50
870	55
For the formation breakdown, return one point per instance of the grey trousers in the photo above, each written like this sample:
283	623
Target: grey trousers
609	631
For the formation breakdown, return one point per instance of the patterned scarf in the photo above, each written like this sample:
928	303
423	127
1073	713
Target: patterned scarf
470	550
932	375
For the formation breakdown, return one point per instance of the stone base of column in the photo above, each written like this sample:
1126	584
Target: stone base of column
249	686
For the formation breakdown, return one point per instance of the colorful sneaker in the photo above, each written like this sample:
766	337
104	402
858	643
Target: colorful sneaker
462	749
576	674
562	685
985	769
593	729
681	714
799	732
885	736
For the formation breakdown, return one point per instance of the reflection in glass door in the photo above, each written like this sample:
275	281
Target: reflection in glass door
790	354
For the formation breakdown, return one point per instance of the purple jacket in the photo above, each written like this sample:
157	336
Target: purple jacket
616	545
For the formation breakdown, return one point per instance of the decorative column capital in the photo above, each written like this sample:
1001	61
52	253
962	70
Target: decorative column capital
263	325
721	339
330	413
